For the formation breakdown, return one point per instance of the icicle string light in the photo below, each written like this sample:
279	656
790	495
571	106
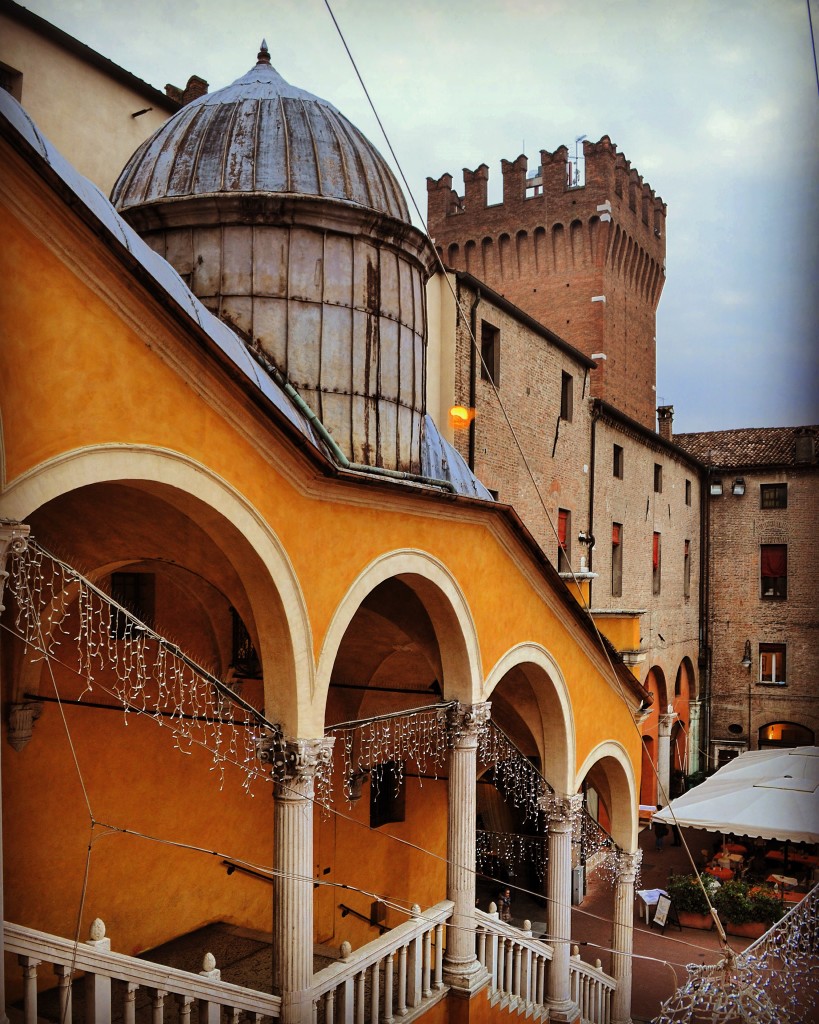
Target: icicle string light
514	776
57	607
420	736
517	853
771	982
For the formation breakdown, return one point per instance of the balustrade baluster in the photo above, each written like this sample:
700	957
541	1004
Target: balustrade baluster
329	1007
158	1005
541	979
508	971
517	970
375	992
63	972
29	965
501	963
439	956
359	997
482	947
426	970
401	1002
388	994
185	1004
414	956
234	1015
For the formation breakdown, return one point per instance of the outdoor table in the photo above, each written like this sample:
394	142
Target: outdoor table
723	874
735	858
736	848
649	898
783	881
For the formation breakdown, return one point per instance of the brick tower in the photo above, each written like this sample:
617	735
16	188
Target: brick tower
584	254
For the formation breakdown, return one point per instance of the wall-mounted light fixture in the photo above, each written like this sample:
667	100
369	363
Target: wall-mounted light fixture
716	488
738	487
746	657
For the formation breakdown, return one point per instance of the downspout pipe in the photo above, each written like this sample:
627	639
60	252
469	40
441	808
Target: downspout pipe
704	658
330	441
473	371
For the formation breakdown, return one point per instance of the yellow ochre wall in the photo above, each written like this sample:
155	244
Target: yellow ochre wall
76	372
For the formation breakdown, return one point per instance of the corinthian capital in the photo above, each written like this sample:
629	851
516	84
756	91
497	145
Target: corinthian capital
468	721
563	810
627	865
295	759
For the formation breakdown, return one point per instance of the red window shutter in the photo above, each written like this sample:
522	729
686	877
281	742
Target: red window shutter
774	559
687	543
562	517
615	534
655	554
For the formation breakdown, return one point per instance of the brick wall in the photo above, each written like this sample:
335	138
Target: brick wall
670	620
586	261
741	705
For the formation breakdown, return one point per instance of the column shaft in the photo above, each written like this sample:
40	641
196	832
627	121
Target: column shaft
622	934
295	763
559	908
461	965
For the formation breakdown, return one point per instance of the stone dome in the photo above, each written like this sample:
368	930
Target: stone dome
259	135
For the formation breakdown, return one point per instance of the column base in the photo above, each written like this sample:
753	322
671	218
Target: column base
296	1008
565	1011
466	979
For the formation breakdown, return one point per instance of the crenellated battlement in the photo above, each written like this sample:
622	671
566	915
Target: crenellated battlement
578	243
608	177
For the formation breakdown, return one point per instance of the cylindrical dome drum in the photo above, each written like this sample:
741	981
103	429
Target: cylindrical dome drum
289	225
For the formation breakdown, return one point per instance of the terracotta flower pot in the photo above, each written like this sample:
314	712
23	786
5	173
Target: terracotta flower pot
749	929
691	919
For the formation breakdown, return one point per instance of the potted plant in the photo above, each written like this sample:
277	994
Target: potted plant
748	909
689	900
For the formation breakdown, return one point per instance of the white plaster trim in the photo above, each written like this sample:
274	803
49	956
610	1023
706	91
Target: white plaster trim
560	773
624	816
452	619
167	468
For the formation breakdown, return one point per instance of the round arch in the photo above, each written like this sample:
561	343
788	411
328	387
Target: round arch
613	761
446	606
557	739
233	525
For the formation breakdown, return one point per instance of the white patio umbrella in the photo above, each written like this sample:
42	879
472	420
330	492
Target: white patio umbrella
767	794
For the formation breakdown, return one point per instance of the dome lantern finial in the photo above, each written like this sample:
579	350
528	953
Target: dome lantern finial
263	56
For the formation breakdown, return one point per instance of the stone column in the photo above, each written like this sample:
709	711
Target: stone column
664	757
562	813
694	713
462	970
12	538
622	933
295	763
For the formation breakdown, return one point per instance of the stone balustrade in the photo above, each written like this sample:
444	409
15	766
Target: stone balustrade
517	967
398	975
113	982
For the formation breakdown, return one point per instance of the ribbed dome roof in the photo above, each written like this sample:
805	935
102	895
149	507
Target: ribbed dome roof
260	135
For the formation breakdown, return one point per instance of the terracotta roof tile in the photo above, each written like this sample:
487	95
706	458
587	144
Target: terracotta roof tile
748	446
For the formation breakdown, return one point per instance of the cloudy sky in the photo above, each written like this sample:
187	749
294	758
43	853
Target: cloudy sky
715	102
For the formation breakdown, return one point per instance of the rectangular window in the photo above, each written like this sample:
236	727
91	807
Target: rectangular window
655	564
135	592
687	569
387	793
658	478
616	559
772	663
12	81
490	353
688	492
618	462
564	540
566	397
774	570
773	496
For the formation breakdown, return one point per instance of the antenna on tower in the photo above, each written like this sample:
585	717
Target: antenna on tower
579	178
